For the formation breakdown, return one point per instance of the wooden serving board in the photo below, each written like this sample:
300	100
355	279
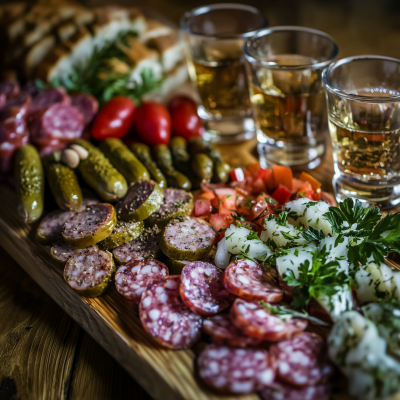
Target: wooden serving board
110	319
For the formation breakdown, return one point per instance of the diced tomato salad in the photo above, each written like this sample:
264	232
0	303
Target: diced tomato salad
252	195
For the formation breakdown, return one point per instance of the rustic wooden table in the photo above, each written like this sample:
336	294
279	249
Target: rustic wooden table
44	354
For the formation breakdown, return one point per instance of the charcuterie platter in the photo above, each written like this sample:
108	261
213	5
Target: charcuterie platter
202	271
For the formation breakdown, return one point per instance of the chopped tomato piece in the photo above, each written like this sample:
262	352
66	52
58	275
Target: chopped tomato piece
220	236
305	191
262	173
207	195
202	207
282	194
268	178
283	175
245	205
227	197
260	211
254	168
215	202
241	192
316	196
258	186
220	221
237	175
308	178
297	185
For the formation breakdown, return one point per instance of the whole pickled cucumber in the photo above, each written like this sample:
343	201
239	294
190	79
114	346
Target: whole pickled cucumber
163	158
142	152
63	184
124	160
202	166
29	182
100	174
221	169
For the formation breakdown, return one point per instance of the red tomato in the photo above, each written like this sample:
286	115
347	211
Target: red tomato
185	121
282	194
237	175
152	123
202	207
227	197
115	119
220	221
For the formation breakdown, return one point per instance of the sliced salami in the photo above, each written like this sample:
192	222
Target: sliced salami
16	107
90	226
187	238
62	252
230	370
47	98
250	281
86	104
299	361
89	271
257	321
223	332
279	391
166	318
202	289
132	279
49	229
145	246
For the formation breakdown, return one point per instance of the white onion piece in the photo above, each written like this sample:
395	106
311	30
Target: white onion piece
336	252
298	207
222	256
338	303
314	217
294	259
274	231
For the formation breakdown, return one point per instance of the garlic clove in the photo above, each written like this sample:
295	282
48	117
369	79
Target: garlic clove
82	153
70	158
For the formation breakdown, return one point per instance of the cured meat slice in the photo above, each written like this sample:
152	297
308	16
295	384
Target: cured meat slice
301	361
86	104
166	318
90	226
187	238
257	321
250	281
16	107
49	229
223	332
230	370
132	279
285	392
89	271
47	98
202	289
58	122
62	252
145	246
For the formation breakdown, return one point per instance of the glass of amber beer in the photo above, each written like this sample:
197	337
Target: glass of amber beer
284	66
214	38
363	95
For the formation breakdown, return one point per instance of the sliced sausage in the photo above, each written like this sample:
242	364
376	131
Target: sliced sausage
278	391
123	233
145	246
90	226
257	321
301	361
132	279
49	229
166	318
186	238
16	107
223	332
250	281
89	271
202	289
86	104
47	98
62	252
230	370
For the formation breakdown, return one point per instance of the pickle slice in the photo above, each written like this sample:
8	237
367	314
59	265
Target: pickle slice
123	232
187	238
89	271
176	202
142	200
90	226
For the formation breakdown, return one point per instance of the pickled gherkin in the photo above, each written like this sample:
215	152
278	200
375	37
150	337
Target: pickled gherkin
123	232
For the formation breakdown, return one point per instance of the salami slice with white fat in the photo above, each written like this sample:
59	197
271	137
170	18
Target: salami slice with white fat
145	246
132	279
223	332
202	289
278	391
47	98
86	104
257	321
166	318
300	361
233	370
49	229
250	281
16	107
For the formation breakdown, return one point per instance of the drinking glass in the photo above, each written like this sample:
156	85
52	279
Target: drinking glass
363	95
284	67
214	38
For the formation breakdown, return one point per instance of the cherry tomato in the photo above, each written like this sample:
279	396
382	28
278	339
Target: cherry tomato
114	119
152	123
185	121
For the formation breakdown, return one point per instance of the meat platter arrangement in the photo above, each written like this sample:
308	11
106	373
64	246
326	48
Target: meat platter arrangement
289	291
